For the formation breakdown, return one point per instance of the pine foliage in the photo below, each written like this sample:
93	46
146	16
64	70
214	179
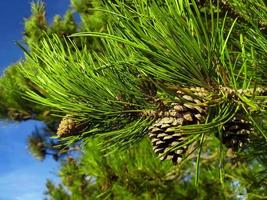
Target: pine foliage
194	49
135	174
140	80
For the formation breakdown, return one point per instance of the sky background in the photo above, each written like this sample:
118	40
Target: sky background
22	177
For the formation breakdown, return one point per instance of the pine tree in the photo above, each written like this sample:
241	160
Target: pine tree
187	75
13	85
137	174
211	90
56	192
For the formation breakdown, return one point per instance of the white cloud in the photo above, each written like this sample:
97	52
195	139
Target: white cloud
24	184
17	184
30	196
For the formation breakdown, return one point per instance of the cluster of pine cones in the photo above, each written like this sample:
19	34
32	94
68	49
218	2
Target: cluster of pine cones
191	110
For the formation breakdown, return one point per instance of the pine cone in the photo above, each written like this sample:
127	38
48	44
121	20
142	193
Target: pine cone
191	110
68	126
163	139
237	133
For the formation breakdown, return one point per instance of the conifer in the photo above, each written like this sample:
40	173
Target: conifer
189	76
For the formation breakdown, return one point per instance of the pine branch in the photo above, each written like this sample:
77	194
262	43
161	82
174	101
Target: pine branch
106	92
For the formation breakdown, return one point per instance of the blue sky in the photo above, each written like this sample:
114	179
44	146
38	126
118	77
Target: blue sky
12	13
21	176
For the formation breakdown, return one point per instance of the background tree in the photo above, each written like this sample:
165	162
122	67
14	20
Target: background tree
138	174
13	85
56	192
41	144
